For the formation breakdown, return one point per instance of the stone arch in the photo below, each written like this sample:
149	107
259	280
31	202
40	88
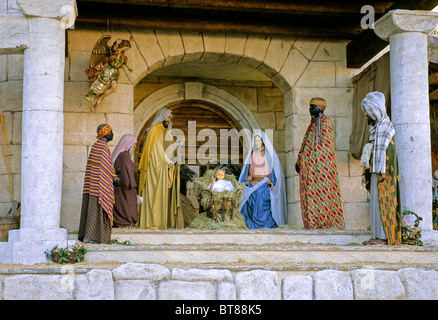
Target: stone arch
274	57
195	91
271	56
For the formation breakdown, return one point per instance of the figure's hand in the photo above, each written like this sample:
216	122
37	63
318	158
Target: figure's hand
170	164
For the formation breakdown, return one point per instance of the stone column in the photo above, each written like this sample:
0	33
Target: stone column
407	32
42	133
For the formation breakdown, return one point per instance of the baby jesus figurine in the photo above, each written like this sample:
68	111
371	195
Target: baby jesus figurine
218	182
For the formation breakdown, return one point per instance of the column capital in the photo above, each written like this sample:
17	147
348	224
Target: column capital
401	21
53	9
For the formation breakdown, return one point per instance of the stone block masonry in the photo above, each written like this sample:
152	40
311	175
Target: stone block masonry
137	281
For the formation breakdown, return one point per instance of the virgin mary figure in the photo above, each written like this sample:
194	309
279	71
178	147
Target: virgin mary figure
263	203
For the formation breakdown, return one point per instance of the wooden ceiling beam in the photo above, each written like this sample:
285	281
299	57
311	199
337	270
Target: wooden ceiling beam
367	44
222	27
290	7
291	25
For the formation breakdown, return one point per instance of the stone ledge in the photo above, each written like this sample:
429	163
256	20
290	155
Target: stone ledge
120	283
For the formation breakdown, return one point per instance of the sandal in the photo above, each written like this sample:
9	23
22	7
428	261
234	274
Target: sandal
380	241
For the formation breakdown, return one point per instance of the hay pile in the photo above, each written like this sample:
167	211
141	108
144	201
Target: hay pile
188	210
220	208
203	222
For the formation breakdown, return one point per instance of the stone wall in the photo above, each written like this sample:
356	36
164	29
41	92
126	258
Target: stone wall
135	281
11	102
320	68
262	99
80	121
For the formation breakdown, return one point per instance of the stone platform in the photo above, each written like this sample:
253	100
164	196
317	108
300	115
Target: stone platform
240	250
232	265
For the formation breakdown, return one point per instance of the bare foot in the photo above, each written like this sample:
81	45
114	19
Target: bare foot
96	106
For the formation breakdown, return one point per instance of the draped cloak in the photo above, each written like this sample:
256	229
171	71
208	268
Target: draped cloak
99	177
98	195
159	184
321	204
384	163
125	207
261	206
389	196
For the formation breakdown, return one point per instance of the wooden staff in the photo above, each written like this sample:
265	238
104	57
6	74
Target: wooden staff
2	121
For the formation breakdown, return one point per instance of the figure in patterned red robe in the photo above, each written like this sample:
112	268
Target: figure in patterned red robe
321	203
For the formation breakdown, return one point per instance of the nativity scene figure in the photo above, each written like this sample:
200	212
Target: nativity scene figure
105	64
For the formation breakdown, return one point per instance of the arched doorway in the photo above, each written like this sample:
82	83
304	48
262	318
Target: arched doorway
199	118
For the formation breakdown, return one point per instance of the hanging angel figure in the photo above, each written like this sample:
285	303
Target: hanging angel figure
105	62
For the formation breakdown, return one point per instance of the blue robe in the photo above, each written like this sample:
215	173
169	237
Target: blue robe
261	206
257	209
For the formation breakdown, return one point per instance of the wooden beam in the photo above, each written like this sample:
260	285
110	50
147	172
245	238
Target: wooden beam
303	7
221	27
433	95
201	20
367	44
363	48
433	50
433	79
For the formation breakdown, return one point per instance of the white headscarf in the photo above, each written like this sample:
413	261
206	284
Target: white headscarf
161	115
278	192
382	132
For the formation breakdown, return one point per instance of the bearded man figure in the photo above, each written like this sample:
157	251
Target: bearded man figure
159	181
98	193
321	204
385	213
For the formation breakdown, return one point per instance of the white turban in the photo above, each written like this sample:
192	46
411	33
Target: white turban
374	105
161	115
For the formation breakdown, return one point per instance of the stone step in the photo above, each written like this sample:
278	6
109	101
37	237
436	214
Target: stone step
273	249
286	256
239	237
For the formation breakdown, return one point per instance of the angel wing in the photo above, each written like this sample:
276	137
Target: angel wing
100	52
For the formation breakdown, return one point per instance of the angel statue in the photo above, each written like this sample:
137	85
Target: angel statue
105	62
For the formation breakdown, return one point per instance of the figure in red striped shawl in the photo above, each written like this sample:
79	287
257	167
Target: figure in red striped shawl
98	194
321	204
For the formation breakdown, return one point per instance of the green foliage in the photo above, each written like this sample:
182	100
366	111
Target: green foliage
124	243
407	212
66	255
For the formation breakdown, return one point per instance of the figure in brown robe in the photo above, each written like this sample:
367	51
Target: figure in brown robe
125	195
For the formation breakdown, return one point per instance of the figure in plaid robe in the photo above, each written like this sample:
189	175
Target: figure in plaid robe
321	204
